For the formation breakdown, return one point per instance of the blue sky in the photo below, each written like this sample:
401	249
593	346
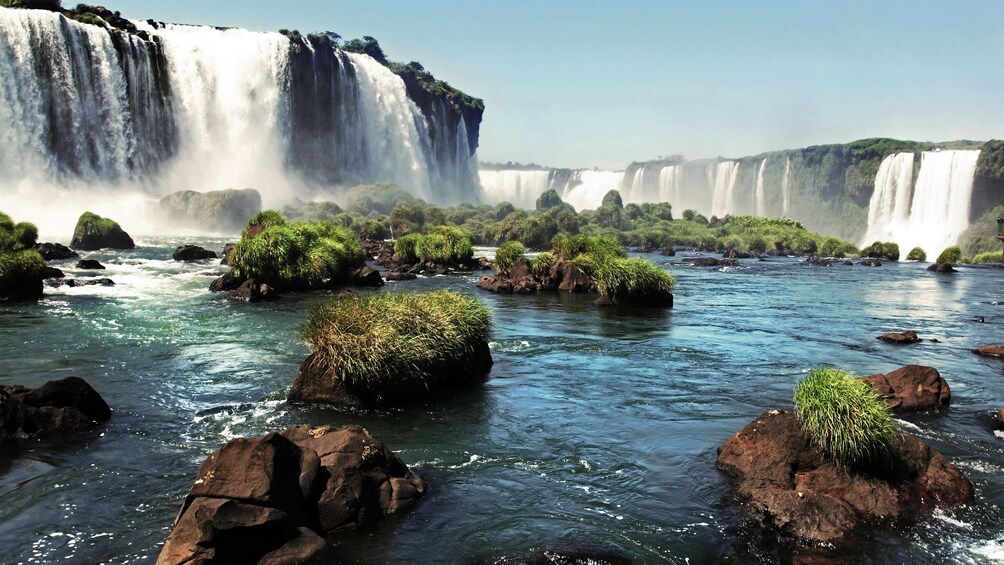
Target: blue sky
599	84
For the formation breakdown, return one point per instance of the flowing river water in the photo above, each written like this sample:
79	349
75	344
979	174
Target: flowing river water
595	426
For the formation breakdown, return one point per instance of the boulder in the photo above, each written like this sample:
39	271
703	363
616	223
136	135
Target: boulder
52	273
786	485
254	291
912	388
668	251
55	251
90	264
518	279
90	282
573	279
904	338
274	499
870	262
316	382
57	406
227	250
710	262
990	351
190	252
398	276
941	268
365	277
218	210
999	422
228	281
94	232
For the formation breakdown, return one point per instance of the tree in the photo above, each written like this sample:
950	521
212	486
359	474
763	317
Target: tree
548	199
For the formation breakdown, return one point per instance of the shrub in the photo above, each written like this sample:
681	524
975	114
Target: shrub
373	229
381	340
297	255
890	251
263	219
631	279
916	254
406	248
542	264
507	255
548	199
569	248
881	250
989	257
845	418
444	244
20	265
950	255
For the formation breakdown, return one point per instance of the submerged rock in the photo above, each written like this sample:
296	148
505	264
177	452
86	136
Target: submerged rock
57	406
275	498
90	264
912	388
568	552
941	268
870	262
990	351
709	262
254	291
904	338
190	252
55	251
785	484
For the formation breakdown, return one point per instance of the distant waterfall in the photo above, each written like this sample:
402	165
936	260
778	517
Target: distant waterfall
786	188
518	187
724	191
670	178
87	115
586	189
761	204
930	213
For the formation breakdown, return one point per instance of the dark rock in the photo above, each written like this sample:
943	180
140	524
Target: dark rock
519	279
569	552
54	251
870	262
275	498
906	337
57	406
227	250
573	279
93	233
90	264
365	277
316	382
786	484
90	282
912	388
733	254
710	262
999	423
254	291
669	251
192	253
941	268
228	281
52	273
990	350
398	276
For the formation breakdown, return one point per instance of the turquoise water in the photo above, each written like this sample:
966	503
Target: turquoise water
595	425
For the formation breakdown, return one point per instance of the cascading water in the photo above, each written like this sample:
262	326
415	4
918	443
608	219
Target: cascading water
786	188
586	189
761	203
724	191
669	185
518	187
636	192
931	213
92	119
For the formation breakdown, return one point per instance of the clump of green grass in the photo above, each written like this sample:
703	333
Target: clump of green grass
845	418
916	254
632	279
507	255
297	255
569	248
406	247
265	219
541	266
444	244
988	257
20	264
950	255
378	341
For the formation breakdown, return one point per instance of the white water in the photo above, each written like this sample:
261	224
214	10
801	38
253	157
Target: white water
670	181
786	188
586	189
520	188
930	214
761	204
636	192
723	198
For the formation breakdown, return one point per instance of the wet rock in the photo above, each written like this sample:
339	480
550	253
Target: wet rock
190	252
55	251
398	276
668	251
990	351
999	422
518	279
786	485
569	552
228	281
941	268
90	282
904	338
912	388
365	277
94	232
90	264
254	291
57	406
52	273
733	254
572	278
870	262
709	262
227	250
273	499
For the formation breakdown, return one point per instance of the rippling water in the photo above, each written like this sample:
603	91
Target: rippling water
596	425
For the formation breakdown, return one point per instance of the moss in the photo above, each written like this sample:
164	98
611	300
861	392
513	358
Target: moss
297	255
950	255
380	341
916	254
93	231
845	418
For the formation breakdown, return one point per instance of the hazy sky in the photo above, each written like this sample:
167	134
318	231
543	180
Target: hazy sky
599	84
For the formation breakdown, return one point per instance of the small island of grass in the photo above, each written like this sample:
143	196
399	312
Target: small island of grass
387	347
22	268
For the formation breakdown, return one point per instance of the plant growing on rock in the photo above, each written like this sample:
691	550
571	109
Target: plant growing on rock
297	255
94	232
950	255
379	341
444	244
845	418
21	267
632	279
916	254
507	255
541	265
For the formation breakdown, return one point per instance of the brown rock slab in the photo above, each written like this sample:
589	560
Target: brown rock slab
990	351
787	485
913	388
58	406
904	338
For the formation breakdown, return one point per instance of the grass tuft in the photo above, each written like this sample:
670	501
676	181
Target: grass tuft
916	254
297	255
444	244
845	418
507	255
380	340
950	255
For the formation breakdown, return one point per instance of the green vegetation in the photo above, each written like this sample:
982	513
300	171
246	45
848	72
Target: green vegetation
547	200
296	255
845	418
881	250
950	255
94	232
632	279
20	264
367	199
53	5
988	257
916	254
379	341
541	265
981	236
507	255
444	245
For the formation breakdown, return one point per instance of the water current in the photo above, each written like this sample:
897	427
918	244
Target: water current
595	425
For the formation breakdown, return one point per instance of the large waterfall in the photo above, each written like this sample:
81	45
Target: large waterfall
95	120
931	212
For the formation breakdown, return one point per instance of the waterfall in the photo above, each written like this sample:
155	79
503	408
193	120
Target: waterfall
636	192
518	187
932	212
586	189
669	185
761	205
786	188
724	188
88	115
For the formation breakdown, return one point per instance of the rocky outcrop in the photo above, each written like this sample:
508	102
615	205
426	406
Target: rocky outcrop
55	251
709	262
785	484
913	388
941	268
990	351
57	406
274	499
904	338
382	253
94	232
90	264
58	282
218	210
316	382
254	291
190	252
398	276
361	277
870	262
227	250
517	279
227	281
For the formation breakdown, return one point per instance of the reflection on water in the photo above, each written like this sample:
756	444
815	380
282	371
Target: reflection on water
596	426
